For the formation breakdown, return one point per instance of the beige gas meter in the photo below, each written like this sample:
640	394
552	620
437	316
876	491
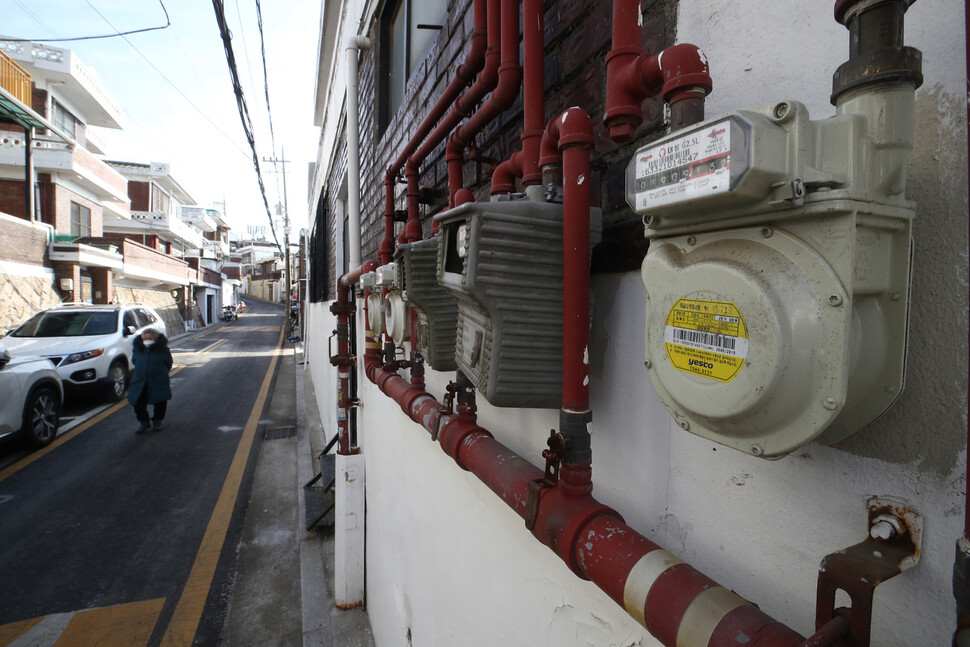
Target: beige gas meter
777	276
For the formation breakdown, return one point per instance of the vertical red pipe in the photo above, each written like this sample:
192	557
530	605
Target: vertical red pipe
343	308
533	102
572	133
501	99
342	361
467	71
525	163
464	104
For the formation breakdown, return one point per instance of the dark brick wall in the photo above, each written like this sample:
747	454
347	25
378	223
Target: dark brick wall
12	198
140	194
577	39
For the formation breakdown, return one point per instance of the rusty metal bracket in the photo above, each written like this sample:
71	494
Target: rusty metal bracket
553	456
447	410
892	547
338	308
339	360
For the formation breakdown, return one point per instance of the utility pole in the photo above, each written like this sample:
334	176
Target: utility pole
286	227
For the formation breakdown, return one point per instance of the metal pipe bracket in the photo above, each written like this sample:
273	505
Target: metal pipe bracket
891	547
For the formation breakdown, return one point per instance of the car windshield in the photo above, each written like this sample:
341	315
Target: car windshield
68	324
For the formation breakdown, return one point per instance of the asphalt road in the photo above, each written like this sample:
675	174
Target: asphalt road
133	536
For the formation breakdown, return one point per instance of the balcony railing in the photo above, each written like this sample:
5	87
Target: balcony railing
15	79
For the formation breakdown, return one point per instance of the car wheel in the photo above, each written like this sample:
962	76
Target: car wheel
42	413
118	382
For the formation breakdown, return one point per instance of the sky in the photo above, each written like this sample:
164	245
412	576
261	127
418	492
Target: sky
174	87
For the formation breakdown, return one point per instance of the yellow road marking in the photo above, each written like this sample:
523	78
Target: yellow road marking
188	612
60	440
10	633
125	625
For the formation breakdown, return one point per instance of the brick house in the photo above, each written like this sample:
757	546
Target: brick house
113	230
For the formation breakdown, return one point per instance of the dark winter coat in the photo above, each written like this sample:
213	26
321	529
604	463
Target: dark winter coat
152	364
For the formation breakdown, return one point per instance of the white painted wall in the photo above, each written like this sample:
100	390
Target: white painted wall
449	564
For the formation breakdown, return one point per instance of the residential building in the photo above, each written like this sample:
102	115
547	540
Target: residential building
111	230
265	280
479	544
74	191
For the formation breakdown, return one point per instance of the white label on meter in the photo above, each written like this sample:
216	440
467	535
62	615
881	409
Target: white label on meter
694	165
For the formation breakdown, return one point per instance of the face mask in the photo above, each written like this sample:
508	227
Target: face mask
148	342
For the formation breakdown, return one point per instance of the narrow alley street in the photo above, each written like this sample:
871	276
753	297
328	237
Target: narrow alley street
135	538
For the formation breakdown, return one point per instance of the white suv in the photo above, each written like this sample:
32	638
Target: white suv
31	402
88	344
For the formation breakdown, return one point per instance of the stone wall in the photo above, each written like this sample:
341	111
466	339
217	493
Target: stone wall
22	296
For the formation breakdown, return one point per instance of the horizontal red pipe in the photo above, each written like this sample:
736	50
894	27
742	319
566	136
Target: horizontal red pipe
592	538
351	277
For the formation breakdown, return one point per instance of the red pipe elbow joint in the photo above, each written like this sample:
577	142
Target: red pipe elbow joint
680	73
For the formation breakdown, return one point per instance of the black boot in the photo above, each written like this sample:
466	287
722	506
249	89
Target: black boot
156	425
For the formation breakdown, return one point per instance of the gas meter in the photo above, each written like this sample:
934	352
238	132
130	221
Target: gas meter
502	263
436	310
375	313
396	323
777	276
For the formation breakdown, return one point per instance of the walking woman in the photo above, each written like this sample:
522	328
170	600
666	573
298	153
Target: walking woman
150	383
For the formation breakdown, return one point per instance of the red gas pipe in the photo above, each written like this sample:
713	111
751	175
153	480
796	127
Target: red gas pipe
501	99
463	106
343	360
590	537
572	133
466	73
680	73
525	163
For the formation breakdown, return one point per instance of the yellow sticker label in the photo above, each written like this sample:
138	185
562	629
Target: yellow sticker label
706	338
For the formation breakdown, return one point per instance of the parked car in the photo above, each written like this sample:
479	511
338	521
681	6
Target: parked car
30	399
90	345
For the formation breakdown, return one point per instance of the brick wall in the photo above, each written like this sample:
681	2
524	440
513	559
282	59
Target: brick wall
22	243
143	256
12	198
577	39
140	194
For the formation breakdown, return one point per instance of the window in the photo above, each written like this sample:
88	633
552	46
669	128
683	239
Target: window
160	199
319	273
80	220
145	318
68	324
130	322
407	29
64	119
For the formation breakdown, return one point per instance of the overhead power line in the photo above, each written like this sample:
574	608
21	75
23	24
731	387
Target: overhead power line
167	24
269	113
247	123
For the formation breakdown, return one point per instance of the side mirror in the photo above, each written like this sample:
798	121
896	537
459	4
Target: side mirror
130	330
4	357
